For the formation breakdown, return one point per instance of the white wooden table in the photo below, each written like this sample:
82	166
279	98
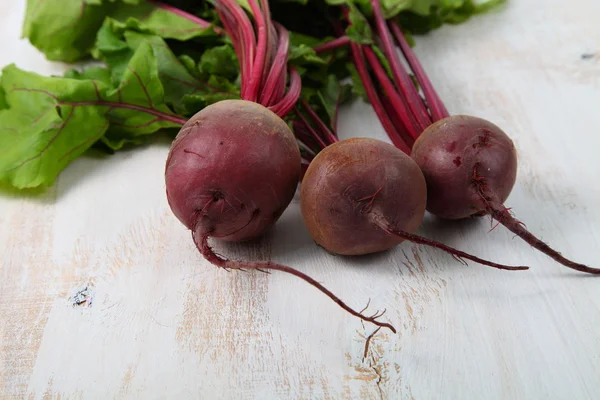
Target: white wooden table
159	322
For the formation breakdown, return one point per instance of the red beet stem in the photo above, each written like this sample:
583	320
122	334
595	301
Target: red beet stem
435	103
261	53
262	64
305	137
369	86
342	41
277	67
385	225
271	41
403	81
399	103
313	133
405	137
291	97
205	249
325	131
240	31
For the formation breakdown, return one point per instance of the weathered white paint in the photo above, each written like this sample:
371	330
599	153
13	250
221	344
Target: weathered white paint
163	323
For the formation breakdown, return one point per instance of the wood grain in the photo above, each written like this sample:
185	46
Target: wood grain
103	295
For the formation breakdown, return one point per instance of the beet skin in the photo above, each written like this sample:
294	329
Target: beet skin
453	154
353	181
232	170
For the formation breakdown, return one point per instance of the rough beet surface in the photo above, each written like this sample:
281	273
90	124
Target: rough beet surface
451	151
340	187
232	170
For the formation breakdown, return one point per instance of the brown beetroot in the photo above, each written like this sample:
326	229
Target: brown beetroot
350	182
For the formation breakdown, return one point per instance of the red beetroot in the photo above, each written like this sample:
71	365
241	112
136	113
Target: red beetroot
232	170
458	152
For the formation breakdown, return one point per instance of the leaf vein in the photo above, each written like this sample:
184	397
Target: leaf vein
56	135
139	79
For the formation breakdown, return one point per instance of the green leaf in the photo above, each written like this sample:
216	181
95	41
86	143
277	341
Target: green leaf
139	101
315	68
326	100
190	65
303	2
96	73
221	61
115	1
331	95
427	15
116	48
50	121
202	100
421	7
218	88
148	18
359	31
64	30
3	103
298	39
424	14
383	60
41	130
302	55
112	48
393	7
176	79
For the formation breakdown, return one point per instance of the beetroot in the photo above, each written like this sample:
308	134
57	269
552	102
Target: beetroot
234	166
453	153
232	180
352	183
